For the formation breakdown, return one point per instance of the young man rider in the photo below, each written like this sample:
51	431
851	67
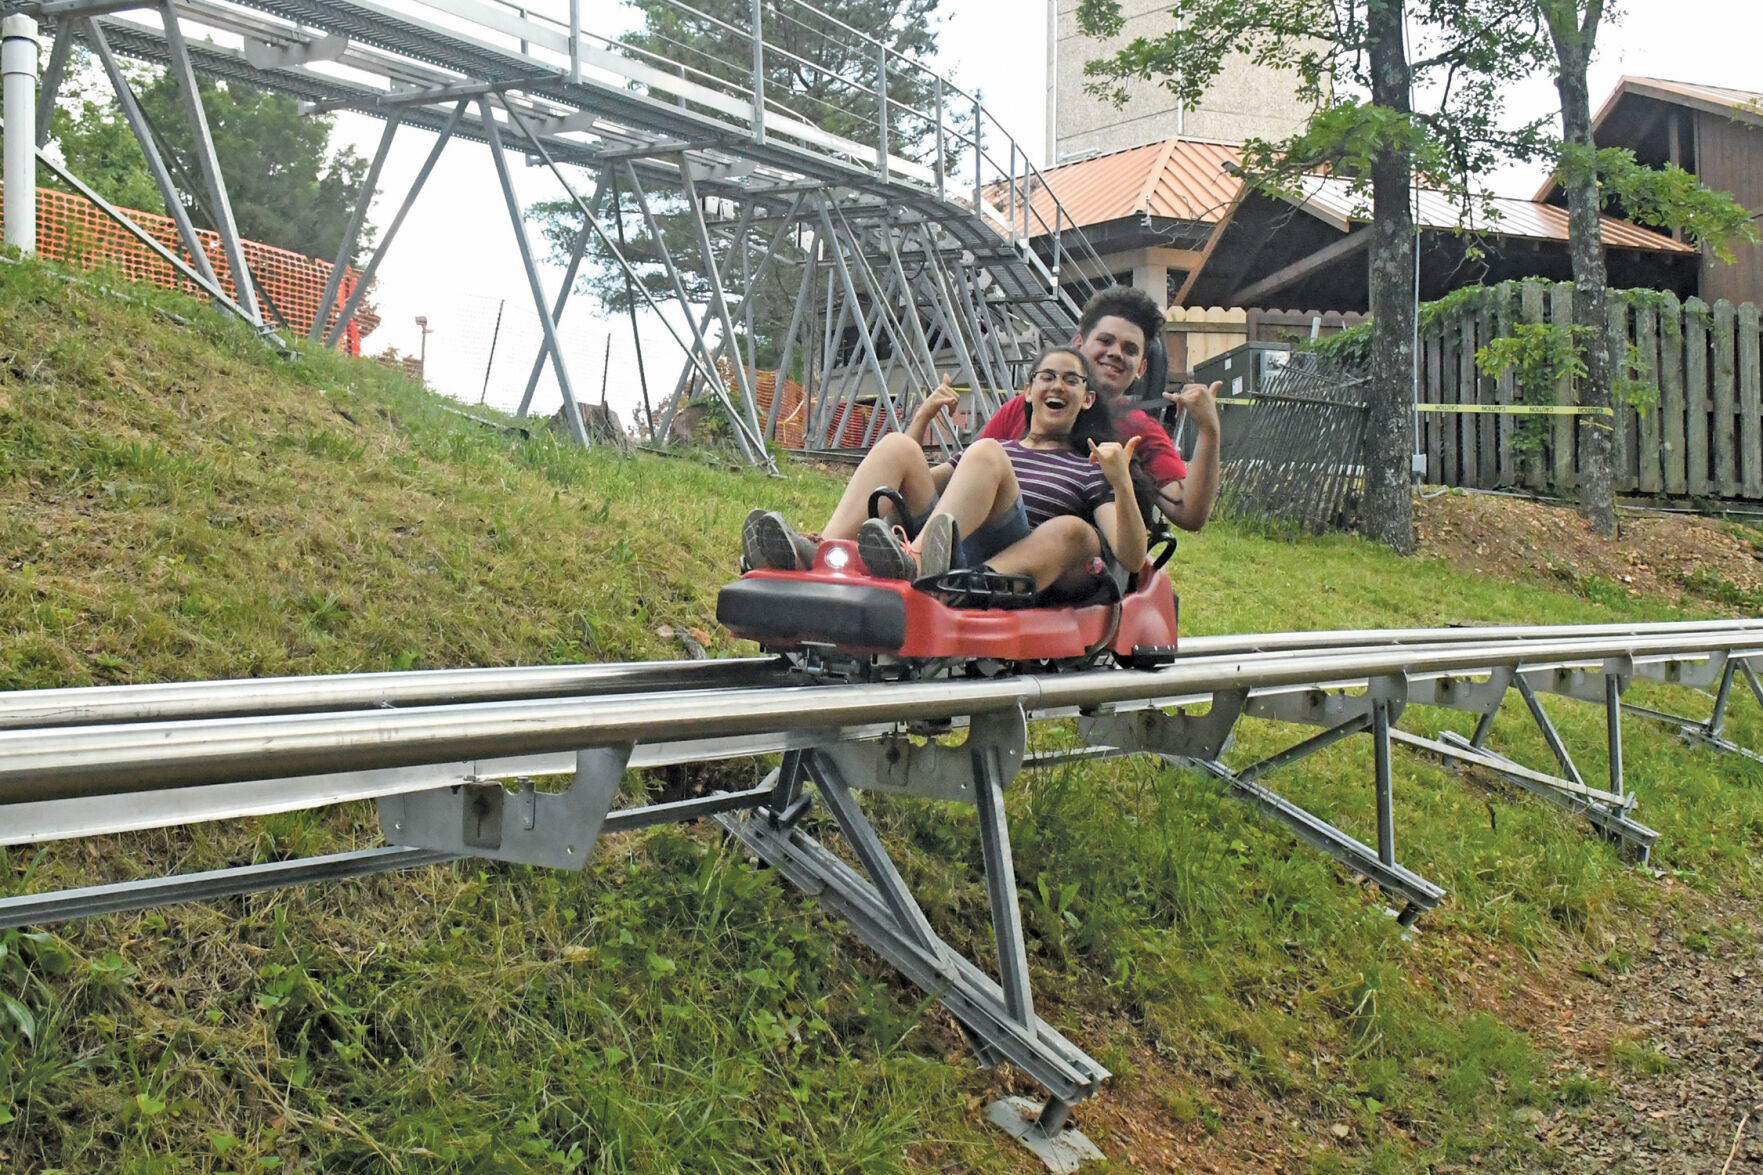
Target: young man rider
1112	333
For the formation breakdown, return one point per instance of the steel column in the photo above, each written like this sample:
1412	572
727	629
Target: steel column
743	376
49	89
137	121
354	300
563	292
352	233
220	206
577	426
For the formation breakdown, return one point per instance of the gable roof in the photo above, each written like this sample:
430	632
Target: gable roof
1744	105
1740	105
1176	179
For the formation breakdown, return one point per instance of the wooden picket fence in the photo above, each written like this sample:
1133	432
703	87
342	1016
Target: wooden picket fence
1703	438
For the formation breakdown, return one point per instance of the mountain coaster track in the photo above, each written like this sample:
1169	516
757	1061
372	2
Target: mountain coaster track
434	748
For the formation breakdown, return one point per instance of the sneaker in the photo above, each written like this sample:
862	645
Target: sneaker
883	551
937	544
770	543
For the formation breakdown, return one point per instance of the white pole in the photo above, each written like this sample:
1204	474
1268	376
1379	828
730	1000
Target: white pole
18	65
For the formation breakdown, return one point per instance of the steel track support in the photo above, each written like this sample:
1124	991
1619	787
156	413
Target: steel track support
999	1016
1710	732
606	240
144	138
209	164
719	302
352	233
943	309
867	337
750	444
804	295
576	253
152	243
578	427
49	87
353	303
1197	741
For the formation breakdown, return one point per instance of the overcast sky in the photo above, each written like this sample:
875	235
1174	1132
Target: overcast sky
455	260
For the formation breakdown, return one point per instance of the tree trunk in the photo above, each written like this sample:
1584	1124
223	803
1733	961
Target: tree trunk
1389	504
1585	247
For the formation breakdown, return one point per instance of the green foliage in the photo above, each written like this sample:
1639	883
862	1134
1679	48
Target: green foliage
1471	49
1539	355
1672	199
1349	348
284	188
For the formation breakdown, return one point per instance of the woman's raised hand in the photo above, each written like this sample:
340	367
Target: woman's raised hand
941	397
1114	459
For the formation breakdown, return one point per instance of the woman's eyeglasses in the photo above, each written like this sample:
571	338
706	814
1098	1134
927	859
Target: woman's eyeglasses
1048	376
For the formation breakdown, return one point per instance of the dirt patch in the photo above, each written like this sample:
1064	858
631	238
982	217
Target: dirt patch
1654	555
1669	1046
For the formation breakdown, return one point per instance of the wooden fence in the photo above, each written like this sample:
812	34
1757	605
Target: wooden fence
1702	438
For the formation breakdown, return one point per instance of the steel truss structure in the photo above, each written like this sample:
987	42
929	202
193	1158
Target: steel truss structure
907	238
450	758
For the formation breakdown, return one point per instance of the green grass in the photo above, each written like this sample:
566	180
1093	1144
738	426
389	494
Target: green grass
181	505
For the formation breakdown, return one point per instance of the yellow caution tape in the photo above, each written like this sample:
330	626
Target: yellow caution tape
1519	409
1497	409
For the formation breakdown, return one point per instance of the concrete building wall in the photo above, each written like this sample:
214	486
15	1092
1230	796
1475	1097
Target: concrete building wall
1246	100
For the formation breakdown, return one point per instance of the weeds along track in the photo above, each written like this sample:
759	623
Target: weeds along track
434	749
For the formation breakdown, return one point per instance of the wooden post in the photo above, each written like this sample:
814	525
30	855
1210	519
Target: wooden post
1750	364
1646	337
1466	388
1622	456
1671	405
1431	342
1563	469
1450	347
1505	392
1725	438
1487	444
1697	479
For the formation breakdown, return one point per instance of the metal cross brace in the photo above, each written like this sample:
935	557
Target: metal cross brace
1197	741
1608	811
1710	732
997	1015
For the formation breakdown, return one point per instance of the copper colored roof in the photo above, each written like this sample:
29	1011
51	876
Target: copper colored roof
1177	179
1333	200
1741	104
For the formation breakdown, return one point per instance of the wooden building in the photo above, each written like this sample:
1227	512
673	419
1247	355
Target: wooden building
1714	132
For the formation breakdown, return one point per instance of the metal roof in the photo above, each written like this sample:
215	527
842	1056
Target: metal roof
1177	179
1334	201
1746	105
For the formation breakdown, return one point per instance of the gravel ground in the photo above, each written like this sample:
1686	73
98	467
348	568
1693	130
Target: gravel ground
1676	1040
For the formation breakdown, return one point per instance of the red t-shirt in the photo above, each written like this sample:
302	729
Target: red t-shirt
1156	450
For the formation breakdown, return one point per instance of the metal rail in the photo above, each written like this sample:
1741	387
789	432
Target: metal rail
433	748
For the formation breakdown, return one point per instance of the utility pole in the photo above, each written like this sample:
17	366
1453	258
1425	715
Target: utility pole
422	362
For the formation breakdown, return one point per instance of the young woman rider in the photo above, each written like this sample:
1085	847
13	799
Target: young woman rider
1036	506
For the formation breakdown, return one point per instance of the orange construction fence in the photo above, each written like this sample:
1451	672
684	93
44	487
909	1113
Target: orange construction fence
71	229
792	412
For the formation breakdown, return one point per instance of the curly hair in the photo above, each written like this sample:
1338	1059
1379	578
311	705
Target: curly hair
1128	302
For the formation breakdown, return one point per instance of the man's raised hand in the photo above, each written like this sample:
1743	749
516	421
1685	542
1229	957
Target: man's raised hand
1200	402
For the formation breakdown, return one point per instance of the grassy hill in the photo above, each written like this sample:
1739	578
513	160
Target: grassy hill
181	504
